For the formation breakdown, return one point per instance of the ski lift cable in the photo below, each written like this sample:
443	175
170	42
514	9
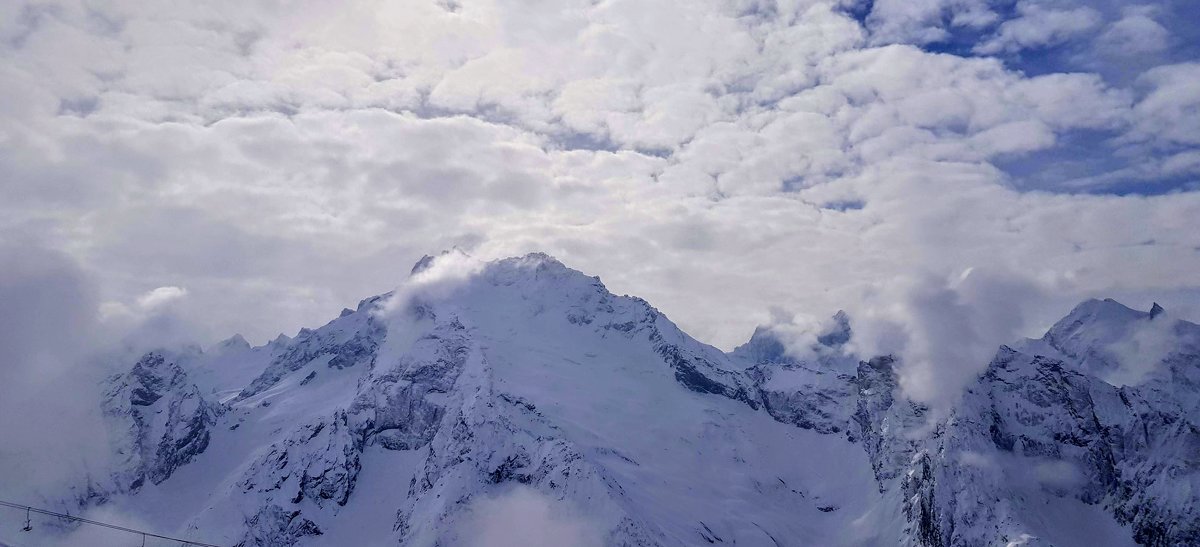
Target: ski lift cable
28	509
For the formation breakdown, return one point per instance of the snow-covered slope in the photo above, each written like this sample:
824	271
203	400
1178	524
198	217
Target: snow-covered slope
522	397
1042	451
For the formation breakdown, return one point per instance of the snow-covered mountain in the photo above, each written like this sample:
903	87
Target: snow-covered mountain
522	402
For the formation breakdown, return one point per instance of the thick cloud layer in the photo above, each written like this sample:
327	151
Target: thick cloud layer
58	344
254	167
48	324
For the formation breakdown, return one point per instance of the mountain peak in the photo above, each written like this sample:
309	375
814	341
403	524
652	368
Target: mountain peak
838	333
235	342
535	259
764	346
1118	344
1107	307
1096	320
767	346
426	261
422	264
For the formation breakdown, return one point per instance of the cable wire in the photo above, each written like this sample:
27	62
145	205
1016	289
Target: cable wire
143	533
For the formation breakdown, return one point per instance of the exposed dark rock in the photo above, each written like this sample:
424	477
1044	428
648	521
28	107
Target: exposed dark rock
158	418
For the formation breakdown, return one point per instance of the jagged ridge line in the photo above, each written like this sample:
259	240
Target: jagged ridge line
104	524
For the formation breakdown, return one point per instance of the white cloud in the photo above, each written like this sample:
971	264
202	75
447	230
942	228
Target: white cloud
1137	32
281	162
162	296
524	517
945	331
1143	350
1037	26
1169	113
48	332
924	21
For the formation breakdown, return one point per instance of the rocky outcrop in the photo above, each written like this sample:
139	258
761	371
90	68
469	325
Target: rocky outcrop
274	526
158	419
485	439
352	339
318	462
807	396
1042	426
399	407
818	392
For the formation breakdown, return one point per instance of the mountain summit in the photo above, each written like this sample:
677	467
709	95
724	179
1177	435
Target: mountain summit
522	397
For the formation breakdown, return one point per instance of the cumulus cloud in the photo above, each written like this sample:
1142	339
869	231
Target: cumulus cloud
1136	32
1037	26
161	296
1168	115
944	331
282	162
924	21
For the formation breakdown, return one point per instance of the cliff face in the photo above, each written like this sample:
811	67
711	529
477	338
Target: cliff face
159	421
1041	436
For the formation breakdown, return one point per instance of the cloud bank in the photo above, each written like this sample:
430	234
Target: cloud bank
48	325
255	167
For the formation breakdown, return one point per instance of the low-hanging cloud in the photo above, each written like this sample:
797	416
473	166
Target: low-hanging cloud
1142	350
944	330
525	517
53	437
161	296
431	278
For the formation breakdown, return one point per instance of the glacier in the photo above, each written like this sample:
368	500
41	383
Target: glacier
520	402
